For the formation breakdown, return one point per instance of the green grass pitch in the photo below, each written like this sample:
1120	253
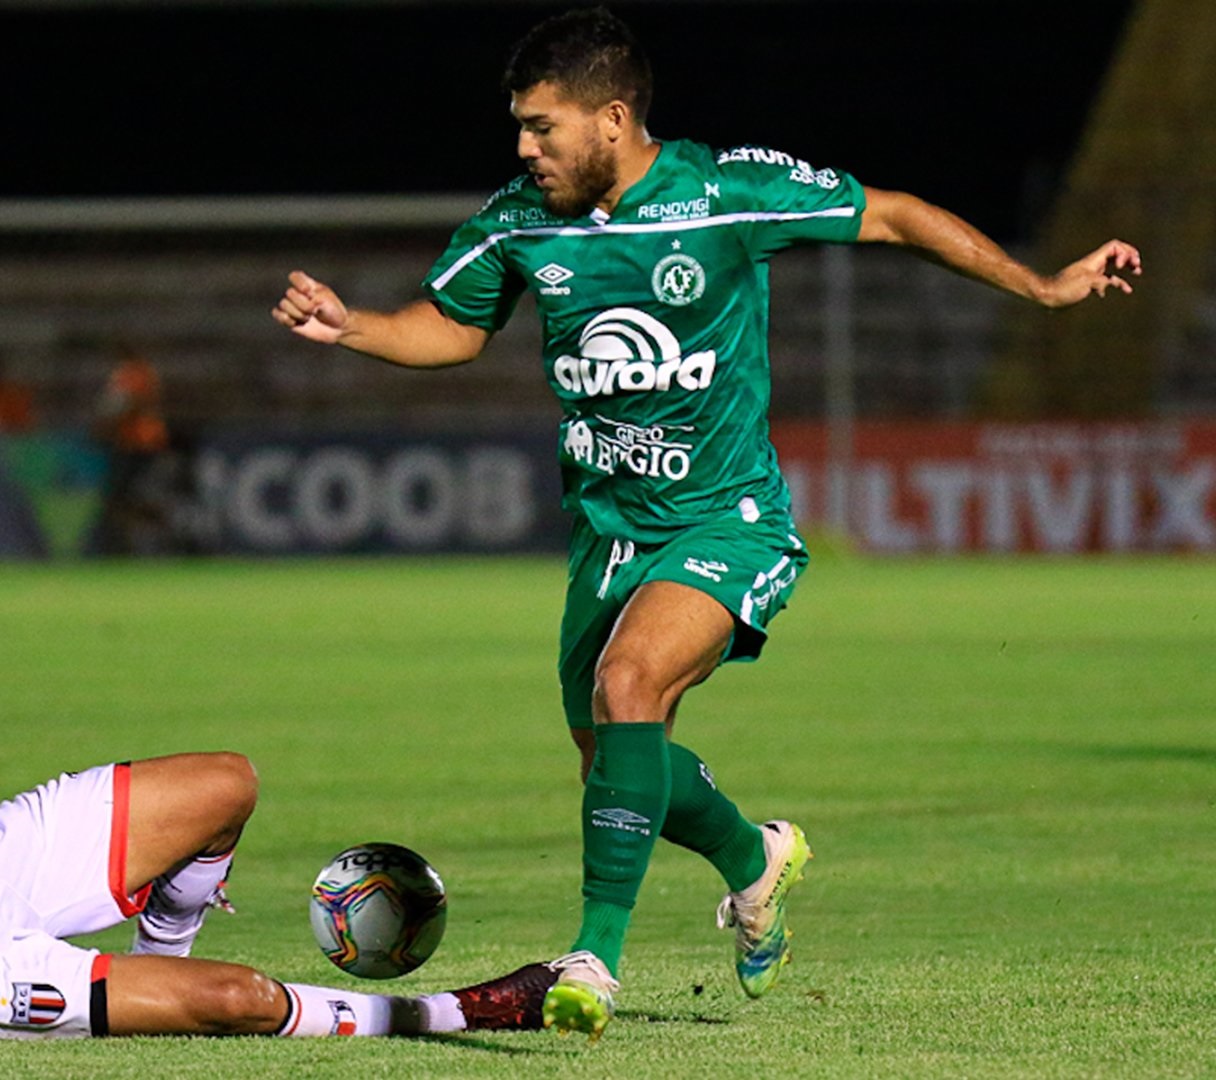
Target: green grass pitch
1007	770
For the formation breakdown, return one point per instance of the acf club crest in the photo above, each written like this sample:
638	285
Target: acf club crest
678	280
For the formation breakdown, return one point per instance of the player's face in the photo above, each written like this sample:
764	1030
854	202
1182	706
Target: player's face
566	148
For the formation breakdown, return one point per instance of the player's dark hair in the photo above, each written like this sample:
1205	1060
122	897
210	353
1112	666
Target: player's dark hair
590	54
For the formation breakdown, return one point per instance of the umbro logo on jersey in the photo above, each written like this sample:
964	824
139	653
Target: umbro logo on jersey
554	275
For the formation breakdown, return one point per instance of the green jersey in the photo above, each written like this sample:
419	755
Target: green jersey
655	325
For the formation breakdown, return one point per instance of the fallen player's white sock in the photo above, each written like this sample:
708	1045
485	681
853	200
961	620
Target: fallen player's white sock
177	906
322	1010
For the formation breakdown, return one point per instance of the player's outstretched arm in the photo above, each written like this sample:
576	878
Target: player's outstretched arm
895	217
417	335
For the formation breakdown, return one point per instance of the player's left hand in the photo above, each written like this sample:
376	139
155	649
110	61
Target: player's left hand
1107	267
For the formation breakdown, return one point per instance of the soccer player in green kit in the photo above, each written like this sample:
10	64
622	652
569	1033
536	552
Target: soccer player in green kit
648	262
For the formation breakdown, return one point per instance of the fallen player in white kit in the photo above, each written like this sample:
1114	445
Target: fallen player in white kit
154	839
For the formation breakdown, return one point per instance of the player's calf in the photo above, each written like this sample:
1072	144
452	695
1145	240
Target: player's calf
161	995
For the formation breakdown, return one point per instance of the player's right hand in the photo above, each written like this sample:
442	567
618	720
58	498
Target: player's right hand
311	309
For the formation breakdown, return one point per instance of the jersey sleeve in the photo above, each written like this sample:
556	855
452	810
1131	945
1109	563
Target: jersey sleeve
786	201
471	281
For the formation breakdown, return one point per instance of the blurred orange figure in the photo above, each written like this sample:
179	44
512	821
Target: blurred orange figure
129	417
16	408
130	423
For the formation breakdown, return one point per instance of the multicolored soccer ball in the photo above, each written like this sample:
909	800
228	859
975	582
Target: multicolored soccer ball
378	910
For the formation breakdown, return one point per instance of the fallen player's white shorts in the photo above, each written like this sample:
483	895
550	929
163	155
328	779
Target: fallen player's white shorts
63	867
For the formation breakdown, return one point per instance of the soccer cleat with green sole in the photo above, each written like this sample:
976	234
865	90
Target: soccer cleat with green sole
581	999
757	913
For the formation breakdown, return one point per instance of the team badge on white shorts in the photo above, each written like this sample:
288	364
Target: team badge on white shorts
35	1004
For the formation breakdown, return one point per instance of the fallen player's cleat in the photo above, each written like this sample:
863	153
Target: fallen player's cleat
758	912
512	1002
218	900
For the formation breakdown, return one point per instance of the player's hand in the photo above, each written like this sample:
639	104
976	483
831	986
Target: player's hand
311	309
1108	267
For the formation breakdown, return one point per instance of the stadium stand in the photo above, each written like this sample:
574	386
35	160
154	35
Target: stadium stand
199	304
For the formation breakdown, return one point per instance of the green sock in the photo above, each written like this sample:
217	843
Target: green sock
704	820
624	804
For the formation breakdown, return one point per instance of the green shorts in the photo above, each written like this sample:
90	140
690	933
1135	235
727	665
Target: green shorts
749	567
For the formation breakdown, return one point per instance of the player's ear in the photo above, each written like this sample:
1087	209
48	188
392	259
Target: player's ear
615	118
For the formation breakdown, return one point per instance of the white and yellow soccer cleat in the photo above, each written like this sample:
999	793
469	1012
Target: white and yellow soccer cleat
758	912
581	999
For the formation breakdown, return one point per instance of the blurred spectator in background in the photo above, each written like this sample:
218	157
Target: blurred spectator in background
17	413
20	535
130	424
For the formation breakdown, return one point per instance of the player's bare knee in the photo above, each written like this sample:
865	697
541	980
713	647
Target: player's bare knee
231	789
237	1000
237	784
626	691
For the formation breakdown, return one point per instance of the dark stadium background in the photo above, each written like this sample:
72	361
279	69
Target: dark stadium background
166	162
976	105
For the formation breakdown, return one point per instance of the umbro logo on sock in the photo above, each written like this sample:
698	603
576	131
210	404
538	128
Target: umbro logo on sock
622	819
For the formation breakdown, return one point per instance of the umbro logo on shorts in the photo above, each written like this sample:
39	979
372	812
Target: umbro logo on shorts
706	568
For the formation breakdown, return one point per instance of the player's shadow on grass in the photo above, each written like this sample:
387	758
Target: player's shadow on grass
647	1016
491	1044
488	1043
1145	752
